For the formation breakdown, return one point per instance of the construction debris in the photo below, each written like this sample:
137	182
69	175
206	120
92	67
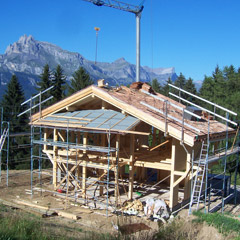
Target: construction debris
156	208
132	207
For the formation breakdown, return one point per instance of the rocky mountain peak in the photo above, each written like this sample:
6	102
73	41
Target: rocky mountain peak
25	44
120	60
25	39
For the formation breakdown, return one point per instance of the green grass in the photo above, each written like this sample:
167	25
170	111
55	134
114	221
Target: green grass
171	231
19	225
224	223
14	225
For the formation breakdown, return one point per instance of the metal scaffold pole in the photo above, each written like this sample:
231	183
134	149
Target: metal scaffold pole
225	164
67	133
7	150
206	168
1	119
1	151
236	172
108	155
32	159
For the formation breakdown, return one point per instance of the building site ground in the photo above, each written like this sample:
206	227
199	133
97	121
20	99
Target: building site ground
61	218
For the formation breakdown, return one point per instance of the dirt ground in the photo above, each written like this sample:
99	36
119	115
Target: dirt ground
18	195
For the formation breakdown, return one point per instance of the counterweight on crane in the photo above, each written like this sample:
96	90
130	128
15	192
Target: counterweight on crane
137	10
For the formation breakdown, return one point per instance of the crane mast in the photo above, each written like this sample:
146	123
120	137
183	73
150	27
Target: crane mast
137	10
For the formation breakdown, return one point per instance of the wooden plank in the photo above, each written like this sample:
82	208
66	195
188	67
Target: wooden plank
68	215
173	190
160	166
84	168
60	135
55	154
187	184
43	122
131	166
161	144
116	191
60	213
181	178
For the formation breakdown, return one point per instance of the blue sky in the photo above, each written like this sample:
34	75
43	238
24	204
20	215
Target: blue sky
191	35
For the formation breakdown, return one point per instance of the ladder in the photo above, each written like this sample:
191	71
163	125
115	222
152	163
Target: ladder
199	178
3	137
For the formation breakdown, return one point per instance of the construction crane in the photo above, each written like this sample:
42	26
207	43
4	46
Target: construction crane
137	10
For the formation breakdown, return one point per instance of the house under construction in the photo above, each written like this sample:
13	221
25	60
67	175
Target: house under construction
109	143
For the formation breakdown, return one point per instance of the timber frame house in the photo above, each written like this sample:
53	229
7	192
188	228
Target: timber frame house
108	142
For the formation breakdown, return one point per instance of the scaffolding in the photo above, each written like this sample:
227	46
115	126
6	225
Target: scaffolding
4	147
201	180
72	153
65	174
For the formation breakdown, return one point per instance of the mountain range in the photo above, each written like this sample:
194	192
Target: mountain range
27	57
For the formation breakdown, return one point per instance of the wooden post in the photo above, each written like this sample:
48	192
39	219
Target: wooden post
77	152
187	185
55	153
45	135
101	171
131	166
84	168
116	169
173	190
103	143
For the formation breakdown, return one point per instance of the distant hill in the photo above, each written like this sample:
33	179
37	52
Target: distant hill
27	57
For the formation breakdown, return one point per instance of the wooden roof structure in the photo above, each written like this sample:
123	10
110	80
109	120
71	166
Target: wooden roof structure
163	115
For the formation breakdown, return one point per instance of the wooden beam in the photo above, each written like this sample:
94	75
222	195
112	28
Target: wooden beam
71	108
45	136
55	154
181	178
60	135
131	166
161	144
43	122
116	191
173	189
84	168
187	184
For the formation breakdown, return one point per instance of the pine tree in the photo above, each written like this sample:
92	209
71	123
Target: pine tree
166	87
219	90
11	104
207	89
45	83
180	82
59	81
46	79
156	86
80	80
190	87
